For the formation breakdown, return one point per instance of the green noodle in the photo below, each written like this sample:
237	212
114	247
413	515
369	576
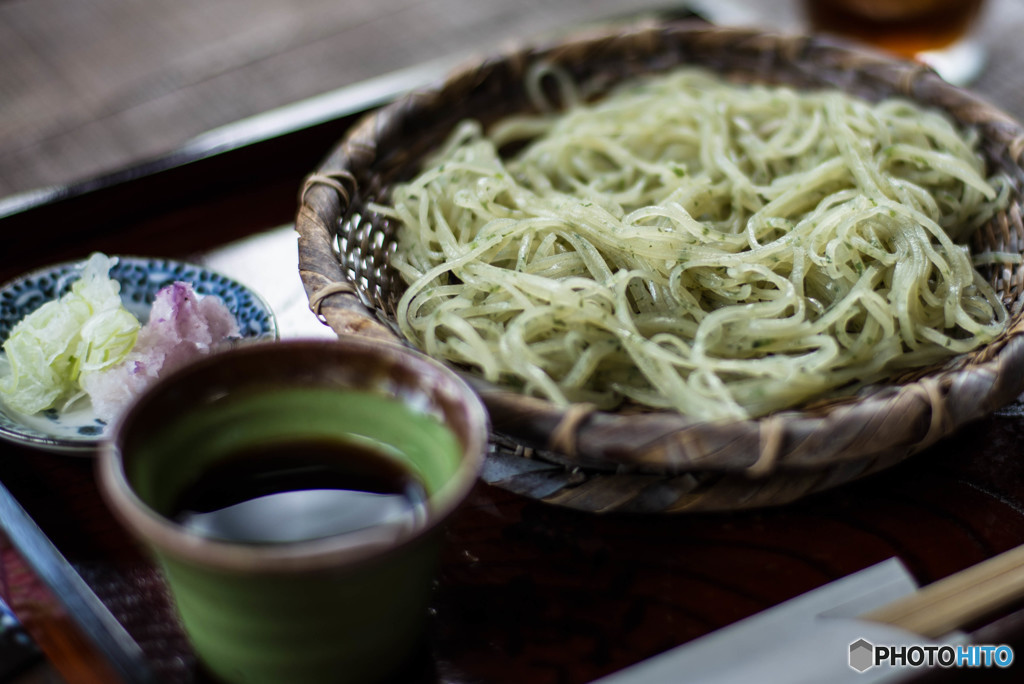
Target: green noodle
686	243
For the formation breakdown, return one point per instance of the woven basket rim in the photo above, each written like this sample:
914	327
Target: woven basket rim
858	434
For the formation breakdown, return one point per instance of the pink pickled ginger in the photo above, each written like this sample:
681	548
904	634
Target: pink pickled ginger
181	327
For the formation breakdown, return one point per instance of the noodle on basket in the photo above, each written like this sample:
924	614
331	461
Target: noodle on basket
685	243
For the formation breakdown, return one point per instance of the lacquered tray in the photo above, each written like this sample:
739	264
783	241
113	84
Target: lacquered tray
527	592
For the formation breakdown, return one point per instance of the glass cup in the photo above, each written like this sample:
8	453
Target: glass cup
309	591
935	32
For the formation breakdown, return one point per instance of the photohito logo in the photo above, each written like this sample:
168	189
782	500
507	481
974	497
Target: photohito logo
865	655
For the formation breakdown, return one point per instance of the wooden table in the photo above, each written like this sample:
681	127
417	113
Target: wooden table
526	592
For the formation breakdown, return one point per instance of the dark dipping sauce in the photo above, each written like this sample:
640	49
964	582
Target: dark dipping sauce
299	490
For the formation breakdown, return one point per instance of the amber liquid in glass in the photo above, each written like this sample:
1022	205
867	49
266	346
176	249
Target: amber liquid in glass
903	27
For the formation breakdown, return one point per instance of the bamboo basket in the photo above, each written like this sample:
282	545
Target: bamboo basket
658	461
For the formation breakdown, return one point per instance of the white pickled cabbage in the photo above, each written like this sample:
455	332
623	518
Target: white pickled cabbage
85	330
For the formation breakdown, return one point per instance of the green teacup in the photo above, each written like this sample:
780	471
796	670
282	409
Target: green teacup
317	589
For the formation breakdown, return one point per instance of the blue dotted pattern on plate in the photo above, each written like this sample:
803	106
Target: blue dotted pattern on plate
140	279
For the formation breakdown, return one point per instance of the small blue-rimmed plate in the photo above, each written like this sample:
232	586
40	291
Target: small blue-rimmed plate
78	430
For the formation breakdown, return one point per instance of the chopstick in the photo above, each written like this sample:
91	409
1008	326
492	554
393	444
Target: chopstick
953	602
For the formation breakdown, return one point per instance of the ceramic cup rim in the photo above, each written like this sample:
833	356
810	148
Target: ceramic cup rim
351	548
